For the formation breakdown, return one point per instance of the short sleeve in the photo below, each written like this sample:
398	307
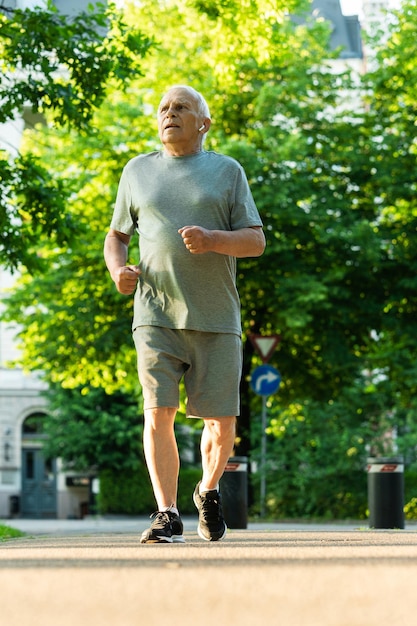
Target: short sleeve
244	211
123	219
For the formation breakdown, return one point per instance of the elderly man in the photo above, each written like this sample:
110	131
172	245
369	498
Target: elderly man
194	215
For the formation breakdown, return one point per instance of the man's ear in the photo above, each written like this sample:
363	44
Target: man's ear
205	126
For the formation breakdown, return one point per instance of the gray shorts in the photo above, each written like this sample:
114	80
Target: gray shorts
211	364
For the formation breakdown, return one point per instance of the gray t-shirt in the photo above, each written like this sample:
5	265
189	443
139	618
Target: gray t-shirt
157	195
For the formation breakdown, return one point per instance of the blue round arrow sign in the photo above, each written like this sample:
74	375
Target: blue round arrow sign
265	380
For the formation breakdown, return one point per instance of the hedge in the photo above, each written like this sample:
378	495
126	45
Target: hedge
130	492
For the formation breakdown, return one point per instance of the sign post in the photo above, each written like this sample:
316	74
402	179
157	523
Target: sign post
265	381
262	490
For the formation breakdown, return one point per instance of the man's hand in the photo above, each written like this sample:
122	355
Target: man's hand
126	278
244	242
197	239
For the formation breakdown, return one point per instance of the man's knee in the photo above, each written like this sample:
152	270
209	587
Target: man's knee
221	427
160	417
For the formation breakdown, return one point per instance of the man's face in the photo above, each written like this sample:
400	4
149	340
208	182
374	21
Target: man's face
179	120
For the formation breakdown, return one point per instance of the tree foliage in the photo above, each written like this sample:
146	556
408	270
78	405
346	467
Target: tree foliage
93	432
60	68
335	185
391	131
127	126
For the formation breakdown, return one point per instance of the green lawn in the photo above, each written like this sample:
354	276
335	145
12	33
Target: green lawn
9	533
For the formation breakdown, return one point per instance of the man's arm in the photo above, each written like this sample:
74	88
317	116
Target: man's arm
245	242
125	277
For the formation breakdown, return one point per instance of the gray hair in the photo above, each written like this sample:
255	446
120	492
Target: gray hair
203	107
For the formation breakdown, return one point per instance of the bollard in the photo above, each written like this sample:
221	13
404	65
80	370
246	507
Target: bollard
386	492
234	492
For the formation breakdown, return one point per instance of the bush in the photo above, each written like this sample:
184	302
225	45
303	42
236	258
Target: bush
126	492
327	495
316	461
410	489
130	492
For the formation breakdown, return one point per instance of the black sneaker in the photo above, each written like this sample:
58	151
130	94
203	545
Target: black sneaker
166	527
211	525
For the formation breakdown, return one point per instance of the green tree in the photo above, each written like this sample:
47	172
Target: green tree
367	393
337	279
390	138
60	68
79	323
92	431
81	294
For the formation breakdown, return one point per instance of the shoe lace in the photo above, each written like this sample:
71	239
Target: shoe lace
160	519
212	509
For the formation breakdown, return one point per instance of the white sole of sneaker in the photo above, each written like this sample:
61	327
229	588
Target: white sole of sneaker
200	534
163	539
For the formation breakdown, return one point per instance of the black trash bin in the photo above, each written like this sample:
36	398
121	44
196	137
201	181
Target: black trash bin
386	492
234	492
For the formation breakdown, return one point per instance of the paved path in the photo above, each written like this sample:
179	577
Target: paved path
121	524
277	575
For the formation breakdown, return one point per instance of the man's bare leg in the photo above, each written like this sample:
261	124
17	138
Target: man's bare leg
217	442
162	458
161	454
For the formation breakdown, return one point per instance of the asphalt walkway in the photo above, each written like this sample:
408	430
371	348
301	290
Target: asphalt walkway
121	524
94	572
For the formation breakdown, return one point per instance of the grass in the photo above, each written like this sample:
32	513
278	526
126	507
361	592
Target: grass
9	533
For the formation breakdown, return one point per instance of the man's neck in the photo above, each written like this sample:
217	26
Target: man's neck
178	151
